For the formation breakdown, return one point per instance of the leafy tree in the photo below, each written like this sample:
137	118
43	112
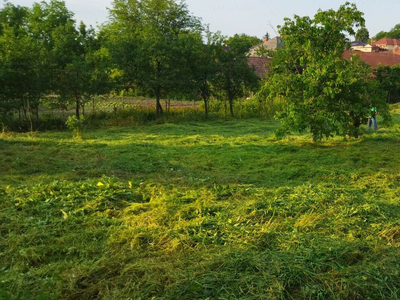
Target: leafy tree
20	66
393	33
146	43
203	64
320	90
389	79
242	42
83	66
362	35
235	77
380	35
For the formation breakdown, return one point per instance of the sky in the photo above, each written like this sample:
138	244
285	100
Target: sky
252	17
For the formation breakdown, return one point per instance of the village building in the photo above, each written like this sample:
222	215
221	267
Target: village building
391	45
374	59
364	47
268	44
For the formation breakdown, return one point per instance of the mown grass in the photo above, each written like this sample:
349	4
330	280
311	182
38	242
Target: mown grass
199	210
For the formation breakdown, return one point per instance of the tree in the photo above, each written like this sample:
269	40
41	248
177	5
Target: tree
21	84
243	42
235	76
389	79
145	42
393	33
362	35
83	68
380	35
320	90
203	64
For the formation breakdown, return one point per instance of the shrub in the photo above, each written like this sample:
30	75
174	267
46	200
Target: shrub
76	125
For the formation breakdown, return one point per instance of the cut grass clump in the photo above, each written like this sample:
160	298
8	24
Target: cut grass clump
100	239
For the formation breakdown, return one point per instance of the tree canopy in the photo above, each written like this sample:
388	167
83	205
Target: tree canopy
362	35
150	42
393	33
320	90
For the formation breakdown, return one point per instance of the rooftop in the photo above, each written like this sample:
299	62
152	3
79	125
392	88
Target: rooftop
375	58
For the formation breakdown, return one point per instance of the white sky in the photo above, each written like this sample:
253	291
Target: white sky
252	17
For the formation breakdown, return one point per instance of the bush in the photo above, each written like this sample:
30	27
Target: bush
76	125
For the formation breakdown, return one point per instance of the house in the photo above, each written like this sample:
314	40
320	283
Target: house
389	44
374	59
357	43
260	65
268	44
366	48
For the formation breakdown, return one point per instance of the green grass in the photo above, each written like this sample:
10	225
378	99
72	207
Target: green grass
199	210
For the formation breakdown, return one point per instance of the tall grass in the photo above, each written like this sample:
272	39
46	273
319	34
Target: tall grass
135	111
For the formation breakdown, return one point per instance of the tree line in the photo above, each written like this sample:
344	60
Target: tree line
155	47
159	49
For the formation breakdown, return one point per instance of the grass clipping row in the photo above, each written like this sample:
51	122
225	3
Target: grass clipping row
114	239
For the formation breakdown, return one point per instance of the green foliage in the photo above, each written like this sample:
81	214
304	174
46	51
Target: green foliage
242	42
235	78
389	79
76	125
42	52
362	35
320	90
393	33
21	71
150	41
244	108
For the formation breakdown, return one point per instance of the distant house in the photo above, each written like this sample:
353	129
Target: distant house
268	44
357	43
260	65
374	59
388	44
366	48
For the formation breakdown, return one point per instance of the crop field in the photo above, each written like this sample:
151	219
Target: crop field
200	210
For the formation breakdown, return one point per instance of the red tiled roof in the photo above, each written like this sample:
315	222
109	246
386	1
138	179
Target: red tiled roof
387	41
375	58
259	64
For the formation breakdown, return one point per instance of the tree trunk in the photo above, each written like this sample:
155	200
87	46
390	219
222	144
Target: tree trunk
167	105
159	110
29	115
225	108
77	104
356	123
205	106
231	106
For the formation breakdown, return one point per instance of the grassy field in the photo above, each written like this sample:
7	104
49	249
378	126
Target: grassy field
200	210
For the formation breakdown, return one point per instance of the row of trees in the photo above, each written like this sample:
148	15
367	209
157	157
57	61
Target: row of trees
43	52
155	47
393	33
